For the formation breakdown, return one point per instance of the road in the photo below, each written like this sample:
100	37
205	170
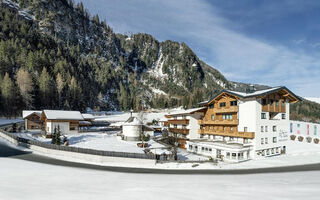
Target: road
8	151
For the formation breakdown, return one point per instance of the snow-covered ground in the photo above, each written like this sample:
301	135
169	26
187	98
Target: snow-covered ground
314	99
35	181
108	142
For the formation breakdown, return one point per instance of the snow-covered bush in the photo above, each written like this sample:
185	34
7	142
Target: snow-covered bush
293	137
316	140
300	138
309	139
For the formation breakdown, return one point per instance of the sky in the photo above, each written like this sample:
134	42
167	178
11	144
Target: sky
267	42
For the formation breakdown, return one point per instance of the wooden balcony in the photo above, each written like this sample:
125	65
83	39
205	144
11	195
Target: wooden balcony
179	131
274	108
218	122
249	135
178	121
230	109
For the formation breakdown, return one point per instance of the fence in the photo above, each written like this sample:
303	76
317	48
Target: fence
27	142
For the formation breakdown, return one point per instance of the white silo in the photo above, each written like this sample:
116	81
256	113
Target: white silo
132	129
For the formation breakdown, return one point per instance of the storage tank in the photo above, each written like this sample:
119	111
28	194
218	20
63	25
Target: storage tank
132	129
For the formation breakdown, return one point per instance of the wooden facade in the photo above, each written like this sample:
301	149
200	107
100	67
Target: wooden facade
221	118
33	122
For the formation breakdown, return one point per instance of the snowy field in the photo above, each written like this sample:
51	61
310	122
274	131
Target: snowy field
35	181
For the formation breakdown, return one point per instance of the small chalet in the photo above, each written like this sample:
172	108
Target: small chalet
67	121
87	120
32	120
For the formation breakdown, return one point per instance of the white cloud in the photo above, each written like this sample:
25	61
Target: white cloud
197	23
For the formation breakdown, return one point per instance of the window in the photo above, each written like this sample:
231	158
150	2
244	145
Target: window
274	128
223	104
264	102
262	141
210	150
283	116
211	106
190	147
298	125
262	129
274	139
271	102
283	103
268	151
184	126
224	128
266	128
212	117
277	102
266	140
202	148
234	155
245	129
228	154
231	128
233	103
263	116
227	116
206	149
262	153
277	150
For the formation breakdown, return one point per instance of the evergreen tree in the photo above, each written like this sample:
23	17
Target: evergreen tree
45	88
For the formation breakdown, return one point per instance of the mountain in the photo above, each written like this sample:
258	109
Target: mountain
53	54
313	99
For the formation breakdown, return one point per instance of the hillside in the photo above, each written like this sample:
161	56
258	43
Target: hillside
96	67
53	54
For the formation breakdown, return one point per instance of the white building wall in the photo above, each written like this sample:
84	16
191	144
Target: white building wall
64	127
304	128
193	126
266	138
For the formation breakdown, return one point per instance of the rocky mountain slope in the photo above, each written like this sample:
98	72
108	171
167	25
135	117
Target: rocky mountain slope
75	61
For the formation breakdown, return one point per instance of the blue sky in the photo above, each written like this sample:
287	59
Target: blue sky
266	42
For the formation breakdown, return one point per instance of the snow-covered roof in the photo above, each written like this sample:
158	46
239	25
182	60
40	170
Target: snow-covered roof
87	116
84	123
164	119
27	113
188	111
258	93
255	93
133	121
63	115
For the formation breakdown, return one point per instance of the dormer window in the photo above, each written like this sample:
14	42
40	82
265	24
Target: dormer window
233	103
211	106
223	104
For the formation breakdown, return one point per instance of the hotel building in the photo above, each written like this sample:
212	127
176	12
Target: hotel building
237	126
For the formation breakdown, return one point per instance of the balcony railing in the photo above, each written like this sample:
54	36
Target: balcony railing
218	122
274	108
230	109
179	131
249	135
178	121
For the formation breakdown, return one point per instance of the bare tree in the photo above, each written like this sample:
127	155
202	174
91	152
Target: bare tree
60	85
25	84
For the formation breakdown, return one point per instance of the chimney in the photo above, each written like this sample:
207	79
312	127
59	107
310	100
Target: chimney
250	89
